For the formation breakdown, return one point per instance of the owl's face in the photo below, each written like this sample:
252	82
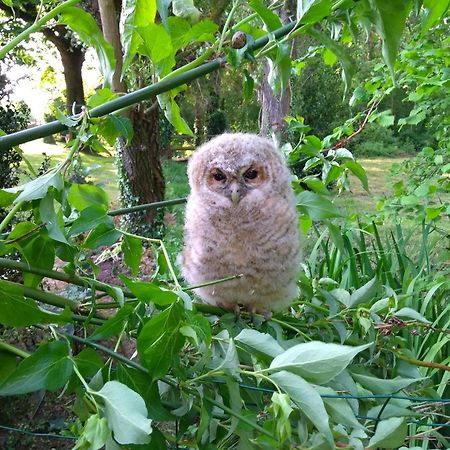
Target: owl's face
236	184
237	168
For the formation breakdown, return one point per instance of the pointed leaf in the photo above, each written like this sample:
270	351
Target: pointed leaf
365	293
390	19
49	368
38	188
316	361
307	399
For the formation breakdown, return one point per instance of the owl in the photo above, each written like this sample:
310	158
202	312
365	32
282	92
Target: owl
241	219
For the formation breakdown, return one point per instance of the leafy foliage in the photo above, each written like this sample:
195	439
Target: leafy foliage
338	370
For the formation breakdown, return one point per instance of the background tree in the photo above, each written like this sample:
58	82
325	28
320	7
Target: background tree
71	50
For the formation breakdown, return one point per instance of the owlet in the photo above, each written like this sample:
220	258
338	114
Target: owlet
241	220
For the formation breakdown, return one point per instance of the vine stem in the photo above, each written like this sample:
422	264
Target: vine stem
14	350
10	215
226	26
35	27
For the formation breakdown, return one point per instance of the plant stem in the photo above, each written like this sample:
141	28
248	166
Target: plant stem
14	350
45	297
10	215
226	26
35	27
131	209
61	276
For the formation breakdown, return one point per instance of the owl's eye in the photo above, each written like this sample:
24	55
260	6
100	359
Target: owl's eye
251	174
219	176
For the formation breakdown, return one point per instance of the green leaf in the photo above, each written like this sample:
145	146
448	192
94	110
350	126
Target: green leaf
7	198
163	11
40	253
172	112
308	401
390	19
230	364
132	253
317	362
88	362
203	31
126	413
282	410
114	325
338	408
365	293
90	218
18	311
66	120
38	188
262	342
149	292
135	14
8	363
185	9
409	313
103	234
160	341
270	19
359	172
311	11
347	63
381	386
316	206
85	26
249	85
123	126
156	42
95	433
81	196
49	368
53	221
434	11
390	433
101	96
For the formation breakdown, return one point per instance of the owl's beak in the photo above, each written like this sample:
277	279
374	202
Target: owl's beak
235	197
235	193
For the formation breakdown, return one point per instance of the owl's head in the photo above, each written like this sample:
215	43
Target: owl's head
237	166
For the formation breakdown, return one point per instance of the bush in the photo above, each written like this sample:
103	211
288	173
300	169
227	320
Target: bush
376	140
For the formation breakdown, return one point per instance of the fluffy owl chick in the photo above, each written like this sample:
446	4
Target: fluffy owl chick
241	219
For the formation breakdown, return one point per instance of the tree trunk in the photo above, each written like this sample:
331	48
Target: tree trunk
274	108
140	173
141	178
110	28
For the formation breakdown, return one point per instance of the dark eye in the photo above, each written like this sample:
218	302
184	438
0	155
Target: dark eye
219	176
251	174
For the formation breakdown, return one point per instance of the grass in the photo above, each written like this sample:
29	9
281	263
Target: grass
102	171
